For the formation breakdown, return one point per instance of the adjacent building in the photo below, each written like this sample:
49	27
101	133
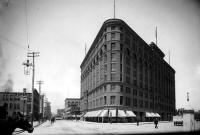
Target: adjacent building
60	112
72	107
122	73
20	102
47	110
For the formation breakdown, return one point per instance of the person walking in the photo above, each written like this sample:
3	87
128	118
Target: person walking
138	121
156	123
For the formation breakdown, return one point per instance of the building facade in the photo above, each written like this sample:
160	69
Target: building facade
72	107
20	102
47	110
122	71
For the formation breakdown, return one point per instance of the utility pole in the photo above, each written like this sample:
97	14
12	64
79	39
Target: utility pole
33	55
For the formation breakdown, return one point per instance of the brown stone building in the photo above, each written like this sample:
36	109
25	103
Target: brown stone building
122	72
20	102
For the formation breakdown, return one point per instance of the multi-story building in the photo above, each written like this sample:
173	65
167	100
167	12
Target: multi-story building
72	107
122	72
47	109
20	102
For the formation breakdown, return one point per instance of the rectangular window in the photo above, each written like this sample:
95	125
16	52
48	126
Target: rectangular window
105	77
105	47
105	58
141	94
113	66
112	100
134	92
113	57
105	37
121	37
113	46
141	103
128	90
135	102
121	88
112	87
105	100
112	27
113	77
128	101
146	104
127	79
121	100
105	88
128	70
112	35
105	68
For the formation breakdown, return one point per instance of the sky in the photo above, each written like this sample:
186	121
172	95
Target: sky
60	29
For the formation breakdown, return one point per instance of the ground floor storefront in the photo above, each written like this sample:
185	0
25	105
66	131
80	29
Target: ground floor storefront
113	115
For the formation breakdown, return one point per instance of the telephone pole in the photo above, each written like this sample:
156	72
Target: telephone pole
33	55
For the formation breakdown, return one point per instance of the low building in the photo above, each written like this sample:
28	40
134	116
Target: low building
60	112
20	102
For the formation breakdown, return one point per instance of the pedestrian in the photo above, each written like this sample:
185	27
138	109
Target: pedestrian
156	123
110	118
138	121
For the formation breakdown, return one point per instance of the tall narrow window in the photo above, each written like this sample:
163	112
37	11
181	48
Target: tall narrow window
112	87
121	100
113	46
105	100
113	57
112	35
112	100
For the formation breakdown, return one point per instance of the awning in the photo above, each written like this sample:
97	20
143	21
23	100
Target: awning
121	113
104	113
157	115
153	114
148	114
112	113
130	114
98	113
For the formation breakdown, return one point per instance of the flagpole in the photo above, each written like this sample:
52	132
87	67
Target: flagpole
156	35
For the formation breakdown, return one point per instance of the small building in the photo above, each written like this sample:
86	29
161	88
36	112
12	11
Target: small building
20	102
60	112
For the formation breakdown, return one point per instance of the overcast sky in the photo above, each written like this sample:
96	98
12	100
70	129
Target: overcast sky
59	29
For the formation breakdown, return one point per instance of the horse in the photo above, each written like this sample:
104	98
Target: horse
8	126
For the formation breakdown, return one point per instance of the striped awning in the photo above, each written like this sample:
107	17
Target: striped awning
112	113
121	113
104	113
157	115
153	114
130	114
148	114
